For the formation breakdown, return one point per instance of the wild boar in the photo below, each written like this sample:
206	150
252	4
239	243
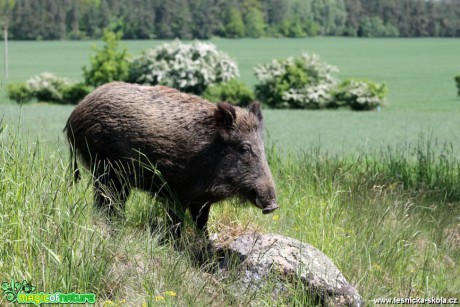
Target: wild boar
125	134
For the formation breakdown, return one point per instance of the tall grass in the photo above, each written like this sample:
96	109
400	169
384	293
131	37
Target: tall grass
383	217
46	233
389	220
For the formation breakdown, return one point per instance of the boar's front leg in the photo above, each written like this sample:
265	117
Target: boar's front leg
200	215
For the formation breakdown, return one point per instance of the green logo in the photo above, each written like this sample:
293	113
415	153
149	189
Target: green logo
12	289
24	293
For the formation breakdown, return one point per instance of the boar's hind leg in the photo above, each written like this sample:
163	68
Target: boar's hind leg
111	190
175	218
200	214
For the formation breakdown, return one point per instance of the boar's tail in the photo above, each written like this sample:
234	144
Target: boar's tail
73	152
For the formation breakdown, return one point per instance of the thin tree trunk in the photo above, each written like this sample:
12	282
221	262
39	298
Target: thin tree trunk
5	36
75	25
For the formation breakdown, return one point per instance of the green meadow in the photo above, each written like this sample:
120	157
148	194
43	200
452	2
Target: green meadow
378	192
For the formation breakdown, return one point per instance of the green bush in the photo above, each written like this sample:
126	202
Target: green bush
187	67
305	82
457	81
108	63
360	95
19	92
233	91
74	93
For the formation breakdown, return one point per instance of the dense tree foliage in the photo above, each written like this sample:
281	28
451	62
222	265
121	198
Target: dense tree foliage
144	19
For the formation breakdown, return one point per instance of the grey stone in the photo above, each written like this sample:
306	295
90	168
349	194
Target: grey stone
260	257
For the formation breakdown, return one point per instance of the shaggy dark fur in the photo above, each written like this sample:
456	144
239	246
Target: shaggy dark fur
204	152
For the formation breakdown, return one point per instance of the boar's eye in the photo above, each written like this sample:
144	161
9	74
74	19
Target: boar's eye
245	148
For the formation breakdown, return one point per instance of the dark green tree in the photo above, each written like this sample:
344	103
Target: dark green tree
330	15
254	23
173	20
201	19
53	19
136	19
25	21
206	17
233	24
374	27
354	13
275	11
182	25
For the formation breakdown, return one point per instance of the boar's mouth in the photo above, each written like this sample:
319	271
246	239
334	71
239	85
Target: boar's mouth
266	206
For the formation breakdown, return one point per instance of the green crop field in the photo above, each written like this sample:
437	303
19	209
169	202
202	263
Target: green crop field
378	192
419	74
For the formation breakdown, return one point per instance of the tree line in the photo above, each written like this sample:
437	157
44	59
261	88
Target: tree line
202	19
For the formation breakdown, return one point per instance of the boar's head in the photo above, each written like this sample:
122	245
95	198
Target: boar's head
242	168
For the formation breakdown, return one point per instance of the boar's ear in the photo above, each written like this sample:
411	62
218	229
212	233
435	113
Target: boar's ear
255	109
225	116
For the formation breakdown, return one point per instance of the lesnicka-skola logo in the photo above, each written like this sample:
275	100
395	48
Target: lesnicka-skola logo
24	293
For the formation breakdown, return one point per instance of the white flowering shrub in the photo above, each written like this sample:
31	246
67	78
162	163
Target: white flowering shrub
187	67
47	87
309	97
305	82
360	94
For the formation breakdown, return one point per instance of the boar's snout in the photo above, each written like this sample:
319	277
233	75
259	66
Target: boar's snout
267	204
272	206
263	192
